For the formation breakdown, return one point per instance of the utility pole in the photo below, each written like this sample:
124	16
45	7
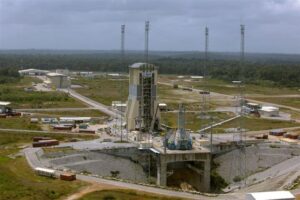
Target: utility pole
123	62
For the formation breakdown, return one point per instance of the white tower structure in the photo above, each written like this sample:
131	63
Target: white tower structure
142	106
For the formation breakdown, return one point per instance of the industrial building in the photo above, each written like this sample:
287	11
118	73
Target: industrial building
65	72
142	111
58	80
274	195
269	111
118	105
33	72
6	110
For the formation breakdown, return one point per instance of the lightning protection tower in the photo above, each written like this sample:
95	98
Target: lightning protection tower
205	93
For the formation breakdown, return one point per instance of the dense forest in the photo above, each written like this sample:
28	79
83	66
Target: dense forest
274	69
8	75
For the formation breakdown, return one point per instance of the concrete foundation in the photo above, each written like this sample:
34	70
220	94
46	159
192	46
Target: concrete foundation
197	163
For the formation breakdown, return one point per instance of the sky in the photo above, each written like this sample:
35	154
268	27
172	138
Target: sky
272	26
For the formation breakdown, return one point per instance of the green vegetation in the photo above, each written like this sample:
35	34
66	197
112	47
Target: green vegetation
72	113
287	101
192	120
227	87
14	138
175	96
257	124
14	92
22	99
103	89
271	69
9	75
237	179
17	179
123	195
216	181
18	123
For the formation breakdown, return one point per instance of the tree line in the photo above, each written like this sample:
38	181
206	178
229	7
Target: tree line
267	71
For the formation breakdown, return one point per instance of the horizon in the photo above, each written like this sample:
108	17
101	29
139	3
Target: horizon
142	51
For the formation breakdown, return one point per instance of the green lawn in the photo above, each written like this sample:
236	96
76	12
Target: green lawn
192	120
256	124
102	89
14	92
18	123
123	195
17	179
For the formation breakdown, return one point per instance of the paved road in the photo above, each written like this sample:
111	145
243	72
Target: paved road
159	191
35	131
53	109
275	96
103	108
34	161
274	178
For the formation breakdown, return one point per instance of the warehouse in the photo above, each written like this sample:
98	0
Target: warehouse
269	111
57	80
33	72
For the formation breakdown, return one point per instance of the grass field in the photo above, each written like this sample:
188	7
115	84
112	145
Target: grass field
256	124
229	88
72	113
287	101
17	179
123	195
8	138
102	89
106	90
14	92
18	123
193	120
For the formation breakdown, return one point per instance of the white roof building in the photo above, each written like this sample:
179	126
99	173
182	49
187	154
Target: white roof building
269	111
196	77
4	103
276	195
72	119
33	72
269	108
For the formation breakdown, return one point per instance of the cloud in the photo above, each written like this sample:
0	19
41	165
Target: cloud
175	24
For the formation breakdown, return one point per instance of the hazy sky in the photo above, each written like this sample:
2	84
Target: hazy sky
271	25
